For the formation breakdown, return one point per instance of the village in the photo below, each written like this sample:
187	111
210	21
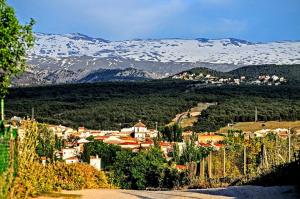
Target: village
137	138
209	79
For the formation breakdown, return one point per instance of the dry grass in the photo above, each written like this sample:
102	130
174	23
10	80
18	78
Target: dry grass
255	126
188	121
194	113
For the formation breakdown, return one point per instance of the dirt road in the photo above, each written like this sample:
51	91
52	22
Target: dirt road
218	193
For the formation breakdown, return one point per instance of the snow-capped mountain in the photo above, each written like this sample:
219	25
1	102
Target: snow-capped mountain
225	51
72	57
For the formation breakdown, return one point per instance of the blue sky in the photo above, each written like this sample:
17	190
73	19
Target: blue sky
254	20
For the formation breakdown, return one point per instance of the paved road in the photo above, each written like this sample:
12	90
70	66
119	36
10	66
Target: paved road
255	192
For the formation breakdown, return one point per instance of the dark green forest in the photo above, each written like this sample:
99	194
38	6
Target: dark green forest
112	105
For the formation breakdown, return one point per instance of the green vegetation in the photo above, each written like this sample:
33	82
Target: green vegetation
129	170
107	152
103	105
106	105
171	133
237	104
146	169
286	174
15	39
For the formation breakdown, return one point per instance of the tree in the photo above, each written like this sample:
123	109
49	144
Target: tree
172	133
15	39
46	142
107	152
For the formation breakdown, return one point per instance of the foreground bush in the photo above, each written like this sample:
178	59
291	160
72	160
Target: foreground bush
39	179
78	176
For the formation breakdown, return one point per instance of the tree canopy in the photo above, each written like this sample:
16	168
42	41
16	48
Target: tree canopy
15	39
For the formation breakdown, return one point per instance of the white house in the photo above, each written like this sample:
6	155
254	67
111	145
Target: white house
69	153
95	162
140	130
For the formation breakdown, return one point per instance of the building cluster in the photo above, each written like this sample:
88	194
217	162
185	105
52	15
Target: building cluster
269	80
282	133
209	79
136	138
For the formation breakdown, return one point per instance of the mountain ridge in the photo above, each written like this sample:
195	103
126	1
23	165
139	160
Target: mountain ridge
67	58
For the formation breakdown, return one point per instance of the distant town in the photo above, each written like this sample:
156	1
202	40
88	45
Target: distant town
210	79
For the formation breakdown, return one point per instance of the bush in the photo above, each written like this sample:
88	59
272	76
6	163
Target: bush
39	179
147	169
78	176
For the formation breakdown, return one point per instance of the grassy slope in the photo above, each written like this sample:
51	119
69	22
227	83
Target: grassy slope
254	126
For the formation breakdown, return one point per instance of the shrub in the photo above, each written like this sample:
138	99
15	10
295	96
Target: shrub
78	176
38	179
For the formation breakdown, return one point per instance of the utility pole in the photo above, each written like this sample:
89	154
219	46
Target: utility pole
156	123
32	113
2	109
276	149
245	161
224	161
255	114
289	135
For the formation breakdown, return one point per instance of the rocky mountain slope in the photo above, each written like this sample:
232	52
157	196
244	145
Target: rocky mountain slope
72	57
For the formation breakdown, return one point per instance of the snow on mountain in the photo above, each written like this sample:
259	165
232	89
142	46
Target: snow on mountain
216	51
74	57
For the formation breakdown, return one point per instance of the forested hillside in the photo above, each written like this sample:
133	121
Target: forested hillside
291	72
113	105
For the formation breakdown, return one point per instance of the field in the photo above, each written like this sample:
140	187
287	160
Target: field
255	126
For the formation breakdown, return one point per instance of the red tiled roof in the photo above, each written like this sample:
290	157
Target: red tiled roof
148	142
129	139
95	132
129	143
101	137
218	145
164	144
181	167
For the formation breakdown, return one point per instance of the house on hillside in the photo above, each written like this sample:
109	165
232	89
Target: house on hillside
140	130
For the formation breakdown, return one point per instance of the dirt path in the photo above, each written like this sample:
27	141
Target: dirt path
284	192
183	120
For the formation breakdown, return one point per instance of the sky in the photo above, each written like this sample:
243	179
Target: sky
253	20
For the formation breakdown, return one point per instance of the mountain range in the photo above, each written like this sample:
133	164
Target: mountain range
70	58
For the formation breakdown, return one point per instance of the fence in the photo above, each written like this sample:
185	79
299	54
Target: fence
248	157
8	146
